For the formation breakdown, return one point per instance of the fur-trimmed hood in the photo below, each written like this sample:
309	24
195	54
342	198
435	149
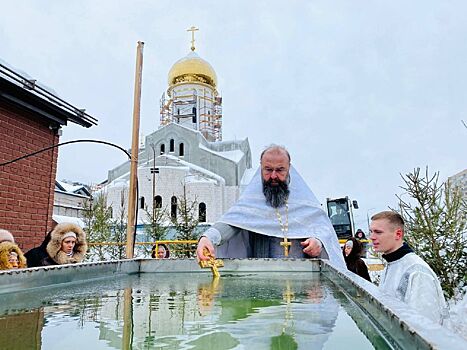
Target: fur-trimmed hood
5	249
55	244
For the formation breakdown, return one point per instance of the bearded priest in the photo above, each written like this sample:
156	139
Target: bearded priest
277	216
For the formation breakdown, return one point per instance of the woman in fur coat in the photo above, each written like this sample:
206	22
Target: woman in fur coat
65	244
11	257
354	262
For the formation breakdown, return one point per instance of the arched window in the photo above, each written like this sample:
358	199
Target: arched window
193	111
202	212
141	202
111	213
163	148
158	201
181	150
173	207
172	145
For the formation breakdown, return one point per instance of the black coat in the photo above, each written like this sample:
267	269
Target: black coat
354	262
38	256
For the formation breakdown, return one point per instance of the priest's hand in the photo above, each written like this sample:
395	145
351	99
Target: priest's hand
204	243
312	247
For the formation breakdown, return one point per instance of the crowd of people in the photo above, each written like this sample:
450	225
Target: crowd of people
277	216
65	244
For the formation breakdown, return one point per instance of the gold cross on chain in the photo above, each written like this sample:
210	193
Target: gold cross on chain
284	228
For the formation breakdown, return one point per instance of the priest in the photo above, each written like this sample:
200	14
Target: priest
277	216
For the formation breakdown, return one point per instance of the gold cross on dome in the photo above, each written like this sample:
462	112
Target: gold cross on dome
286	244
193	29
212	263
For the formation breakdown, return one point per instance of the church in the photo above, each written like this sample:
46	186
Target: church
186	157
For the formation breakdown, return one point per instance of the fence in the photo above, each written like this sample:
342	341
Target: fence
175	248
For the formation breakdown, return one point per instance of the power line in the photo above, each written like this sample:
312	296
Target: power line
62	144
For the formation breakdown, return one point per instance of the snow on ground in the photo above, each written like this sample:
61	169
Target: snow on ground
458	317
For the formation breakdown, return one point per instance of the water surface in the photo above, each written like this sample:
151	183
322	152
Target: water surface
188	311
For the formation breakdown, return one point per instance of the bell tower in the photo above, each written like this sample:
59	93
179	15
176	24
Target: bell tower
192	99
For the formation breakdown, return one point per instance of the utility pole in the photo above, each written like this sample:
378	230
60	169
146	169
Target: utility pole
154	171
130	232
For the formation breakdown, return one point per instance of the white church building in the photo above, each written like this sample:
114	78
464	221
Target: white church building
186	152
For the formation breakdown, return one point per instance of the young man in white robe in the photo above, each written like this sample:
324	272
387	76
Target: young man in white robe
406	276
276	209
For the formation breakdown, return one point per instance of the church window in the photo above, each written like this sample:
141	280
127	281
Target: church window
110	209
172	145
181	150
209	112
141	202
202	212
178	111
163	148
173	207
158	201
194	114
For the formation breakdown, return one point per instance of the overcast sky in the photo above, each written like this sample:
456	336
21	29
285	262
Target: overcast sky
359	91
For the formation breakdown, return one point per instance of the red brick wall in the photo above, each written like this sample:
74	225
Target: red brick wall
26	186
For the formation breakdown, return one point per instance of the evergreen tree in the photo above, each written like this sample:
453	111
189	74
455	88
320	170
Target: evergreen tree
97	218
436	227
185	221
156	225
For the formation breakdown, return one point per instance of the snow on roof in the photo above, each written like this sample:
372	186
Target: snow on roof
196	168
69	187
25	75
234	156
74	220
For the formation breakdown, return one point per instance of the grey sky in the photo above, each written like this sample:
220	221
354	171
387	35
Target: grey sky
359	91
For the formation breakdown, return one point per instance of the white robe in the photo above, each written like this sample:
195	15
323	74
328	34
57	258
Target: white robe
412	281
252	213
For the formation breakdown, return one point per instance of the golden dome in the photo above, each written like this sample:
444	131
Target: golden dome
192	68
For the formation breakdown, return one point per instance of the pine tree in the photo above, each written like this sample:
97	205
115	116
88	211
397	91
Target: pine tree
185	220
156	225
97	218
436	227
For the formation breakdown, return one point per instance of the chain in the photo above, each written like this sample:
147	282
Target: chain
284	226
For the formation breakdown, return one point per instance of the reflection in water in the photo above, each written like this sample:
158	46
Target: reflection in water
127	338
158	311
22	331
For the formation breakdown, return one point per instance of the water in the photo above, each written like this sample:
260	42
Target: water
188	311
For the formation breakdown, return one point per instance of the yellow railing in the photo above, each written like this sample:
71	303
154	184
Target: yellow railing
168	243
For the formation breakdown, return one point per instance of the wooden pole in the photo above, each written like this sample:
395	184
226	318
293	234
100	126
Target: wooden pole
130	231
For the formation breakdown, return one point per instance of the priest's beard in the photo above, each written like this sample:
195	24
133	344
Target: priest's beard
276	195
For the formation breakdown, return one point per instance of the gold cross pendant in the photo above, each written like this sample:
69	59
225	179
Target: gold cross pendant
286	244
212	263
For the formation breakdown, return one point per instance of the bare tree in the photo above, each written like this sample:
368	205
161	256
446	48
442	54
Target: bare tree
119	225
436	227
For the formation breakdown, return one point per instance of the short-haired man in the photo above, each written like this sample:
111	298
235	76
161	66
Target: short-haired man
407	276
277	216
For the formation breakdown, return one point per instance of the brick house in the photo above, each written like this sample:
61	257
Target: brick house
31	118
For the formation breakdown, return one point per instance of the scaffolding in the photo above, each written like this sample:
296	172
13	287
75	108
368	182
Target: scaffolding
199	112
